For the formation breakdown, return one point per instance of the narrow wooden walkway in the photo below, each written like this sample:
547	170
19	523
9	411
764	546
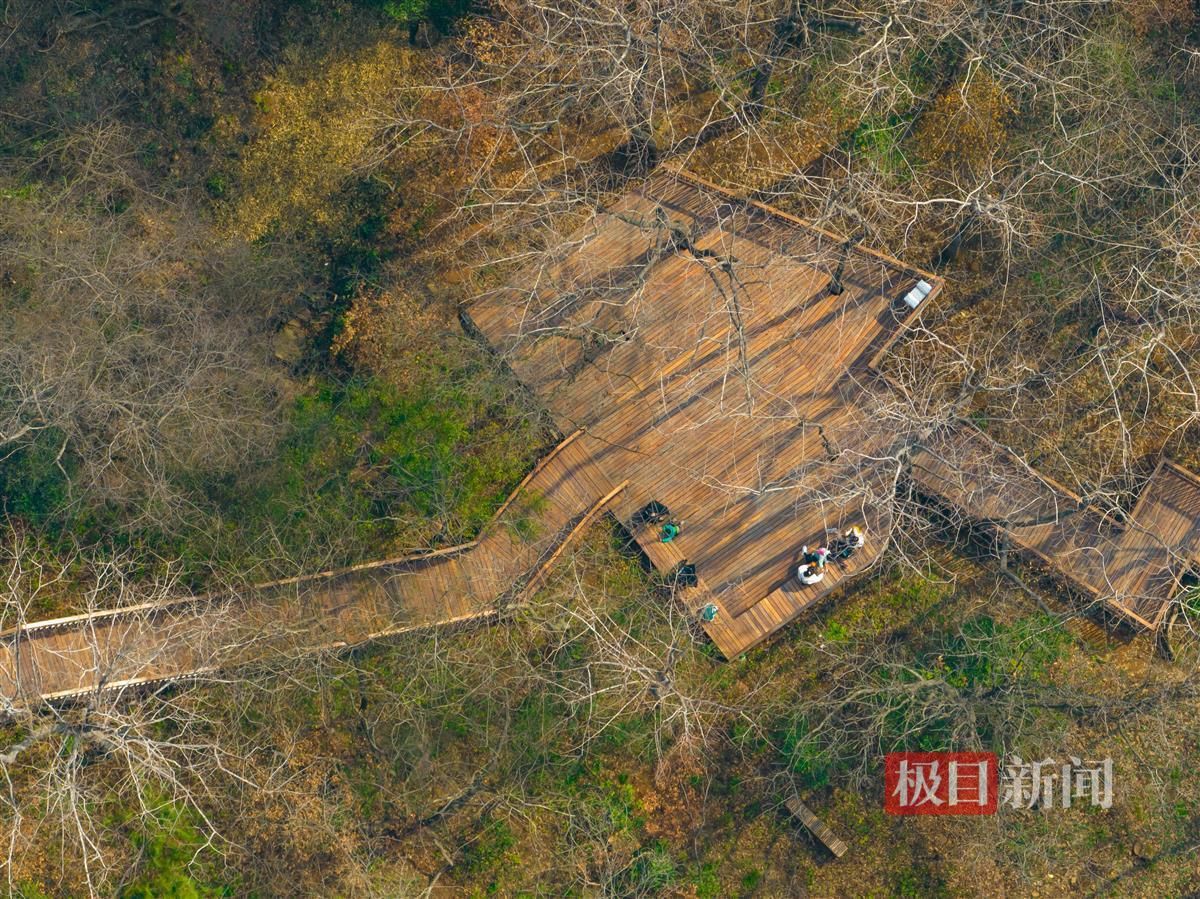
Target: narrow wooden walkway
118	648
1133	566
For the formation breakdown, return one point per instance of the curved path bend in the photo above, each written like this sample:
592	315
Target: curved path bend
144	645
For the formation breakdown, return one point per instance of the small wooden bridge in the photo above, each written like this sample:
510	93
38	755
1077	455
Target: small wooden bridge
142	645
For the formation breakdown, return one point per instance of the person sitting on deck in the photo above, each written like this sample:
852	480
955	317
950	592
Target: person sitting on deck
670	531
846	545
651	513
685	575
810	574
820	556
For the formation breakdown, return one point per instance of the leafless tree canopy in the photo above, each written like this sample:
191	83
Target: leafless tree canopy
134	348
1042	156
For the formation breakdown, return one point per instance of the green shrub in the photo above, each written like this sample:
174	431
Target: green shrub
652	871
805	754
34	479
167	869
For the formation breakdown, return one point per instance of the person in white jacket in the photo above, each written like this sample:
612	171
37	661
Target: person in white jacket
810	573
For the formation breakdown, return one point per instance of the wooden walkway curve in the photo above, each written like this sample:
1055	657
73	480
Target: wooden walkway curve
707	353
1134	566
117	648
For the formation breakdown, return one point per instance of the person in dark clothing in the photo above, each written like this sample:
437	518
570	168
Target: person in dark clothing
651	513
847	545
685	575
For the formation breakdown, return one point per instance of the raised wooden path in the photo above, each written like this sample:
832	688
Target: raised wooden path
1134	566
695	347
119	648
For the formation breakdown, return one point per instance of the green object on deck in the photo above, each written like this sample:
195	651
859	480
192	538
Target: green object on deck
709	612
669	532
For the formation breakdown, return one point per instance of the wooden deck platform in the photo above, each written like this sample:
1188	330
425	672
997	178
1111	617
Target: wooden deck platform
112	649
696	338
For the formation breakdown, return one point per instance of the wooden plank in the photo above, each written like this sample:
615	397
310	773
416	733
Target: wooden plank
816	825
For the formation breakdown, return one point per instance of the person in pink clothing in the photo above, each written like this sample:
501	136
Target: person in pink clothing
818	557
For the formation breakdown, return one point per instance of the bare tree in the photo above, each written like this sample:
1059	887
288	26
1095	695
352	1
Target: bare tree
66	764
135	348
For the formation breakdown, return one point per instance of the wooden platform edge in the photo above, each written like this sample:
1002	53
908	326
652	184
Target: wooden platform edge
719	630
543	570
775	212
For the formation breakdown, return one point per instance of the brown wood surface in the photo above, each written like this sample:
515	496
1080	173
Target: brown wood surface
818	827
711	378
115	648
704	385
1133	566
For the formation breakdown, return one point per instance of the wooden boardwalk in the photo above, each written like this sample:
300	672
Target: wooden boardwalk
113	649
697	338
1133	566
697	350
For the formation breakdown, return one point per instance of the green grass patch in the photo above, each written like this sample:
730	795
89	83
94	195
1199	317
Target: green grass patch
877	141
917	881
524	518
805	754
172	864
35	478
985	653
652	872
365	468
